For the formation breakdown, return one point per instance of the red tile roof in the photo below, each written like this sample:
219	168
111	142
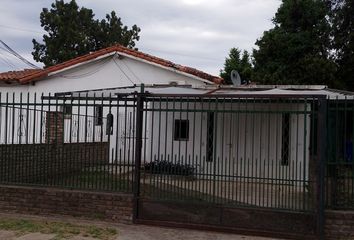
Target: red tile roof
33	75
17	75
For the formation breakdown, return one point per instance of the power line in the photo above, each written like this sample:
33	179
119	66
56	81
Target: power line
7	62
102	62
5	58
4	49
19	29
131	71
147	49
14	53
126	75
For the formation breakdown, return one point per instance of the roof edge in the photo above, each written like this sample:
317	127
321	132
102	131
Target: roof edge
129	53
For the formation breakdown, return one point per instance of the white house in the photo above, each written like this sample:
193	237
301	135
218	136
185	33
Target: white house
234	136
264	133
260	139
113	67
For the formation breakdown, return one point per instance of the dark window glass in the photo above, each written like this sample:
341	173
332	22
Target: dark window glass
210	137
181	131
98	115
285	140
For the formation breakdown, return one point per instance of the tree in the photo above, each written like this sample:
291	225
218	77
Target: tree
73	31
235	62
343	40
297	49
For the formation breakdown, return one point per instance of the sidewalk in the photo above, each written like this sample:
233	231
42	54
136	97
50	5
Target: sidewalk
124	232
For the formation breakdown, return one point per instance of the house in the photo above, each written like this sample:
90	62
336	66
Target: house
112	67
253	144
253	132
271	128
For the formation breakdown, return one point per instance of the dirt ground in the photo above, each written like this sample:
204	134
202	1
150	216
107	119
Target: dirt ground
124	232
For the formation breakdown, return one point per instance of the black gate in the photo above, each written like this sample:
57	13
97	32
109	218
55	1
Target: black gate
231	162
217	161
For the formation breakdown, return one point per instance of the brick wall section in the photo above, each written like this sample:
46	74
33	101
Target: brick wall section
29	163
339	225
112	207
115	207
54	127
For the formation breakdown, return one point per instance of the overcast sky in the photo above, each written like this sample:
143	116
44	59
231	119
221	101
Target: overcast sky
196	33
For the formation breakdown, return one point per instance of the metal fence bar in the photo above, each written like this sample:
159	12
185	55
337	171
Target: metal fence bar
339	189
321	161
138	152
47	141
237	150
215	181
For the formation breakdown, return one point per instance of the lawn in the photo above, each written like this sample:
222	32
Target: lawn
89	179
109	181
186	188
59	229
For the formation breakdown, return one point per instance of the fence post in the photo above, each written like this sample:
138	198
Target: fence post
138	150
321	162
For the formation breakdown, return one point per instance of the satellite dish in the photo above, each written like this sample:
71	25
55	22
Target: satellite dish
235	78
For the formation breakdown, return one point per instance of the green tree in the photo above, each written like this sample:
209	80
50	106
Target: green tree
343	40
297	49
235	62
72	31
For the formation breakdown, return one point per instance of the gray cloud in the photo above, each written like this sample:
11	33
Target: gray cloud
197	33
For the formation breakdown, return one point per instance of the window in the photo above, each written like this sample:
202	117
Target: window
67	111
285	140
181	131
210	137
98	115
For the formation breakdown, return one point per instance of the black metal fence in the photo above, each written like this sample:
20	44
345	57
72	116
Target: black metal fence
340	161
79	143
259	152
230	150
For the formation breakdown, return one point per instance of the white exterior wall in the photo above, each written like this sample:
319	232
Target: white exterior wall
108	72
245	144
240	140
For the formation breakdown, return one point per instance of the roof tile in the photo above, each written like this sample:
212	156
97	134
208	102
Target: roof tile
30	75
17	75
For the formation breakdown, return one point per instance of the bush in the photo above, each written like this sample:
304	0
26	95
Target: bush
169	168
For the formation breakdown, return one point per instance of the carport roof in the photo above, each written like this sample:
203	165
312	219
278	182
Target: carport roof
223	90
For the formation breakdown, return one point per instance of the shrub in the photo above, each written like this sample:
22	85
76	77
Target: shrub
169	168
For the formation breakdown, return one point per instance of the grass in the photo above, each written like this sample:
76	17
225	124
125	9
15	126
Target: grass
98	179
91	180
59	229
107	181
